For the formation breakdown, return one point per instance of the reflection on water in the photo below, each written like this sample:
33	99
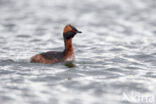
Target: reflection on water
70	64
115	55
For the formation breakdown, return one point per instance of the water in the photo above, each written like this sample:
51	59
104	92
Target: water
115	55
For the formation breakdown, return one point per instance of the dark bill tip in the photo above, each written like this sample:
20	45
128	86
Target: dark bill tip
79	32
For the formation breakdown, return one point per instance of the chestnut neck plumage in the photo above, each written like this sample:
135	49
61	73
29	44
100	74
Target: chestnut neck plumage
69	50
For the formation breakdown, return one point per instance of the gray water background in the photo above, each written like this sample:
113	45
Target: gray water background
115	55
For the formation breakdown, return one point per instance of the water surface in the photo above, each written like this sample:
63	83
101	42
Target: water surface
115	55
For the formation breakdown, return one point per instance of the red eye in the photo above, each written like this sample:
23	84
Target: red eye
73	30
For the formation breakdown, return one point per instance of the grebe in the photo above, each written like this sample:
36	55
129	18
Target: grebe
52	57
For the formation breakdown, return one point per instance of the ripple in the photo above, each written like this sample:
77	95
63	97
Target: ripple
23	36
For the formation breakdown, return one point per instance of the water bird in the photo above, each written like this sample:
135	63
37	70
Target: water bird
52	57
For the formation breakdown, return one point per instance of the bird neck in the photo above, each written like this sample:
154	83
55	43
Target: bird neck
69	47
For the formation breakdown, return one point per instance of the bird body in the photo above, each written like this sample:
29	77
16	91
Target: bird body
52	57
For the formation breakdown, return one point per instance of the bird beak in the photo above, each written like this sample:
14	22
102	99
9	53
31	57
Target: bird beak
78	31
